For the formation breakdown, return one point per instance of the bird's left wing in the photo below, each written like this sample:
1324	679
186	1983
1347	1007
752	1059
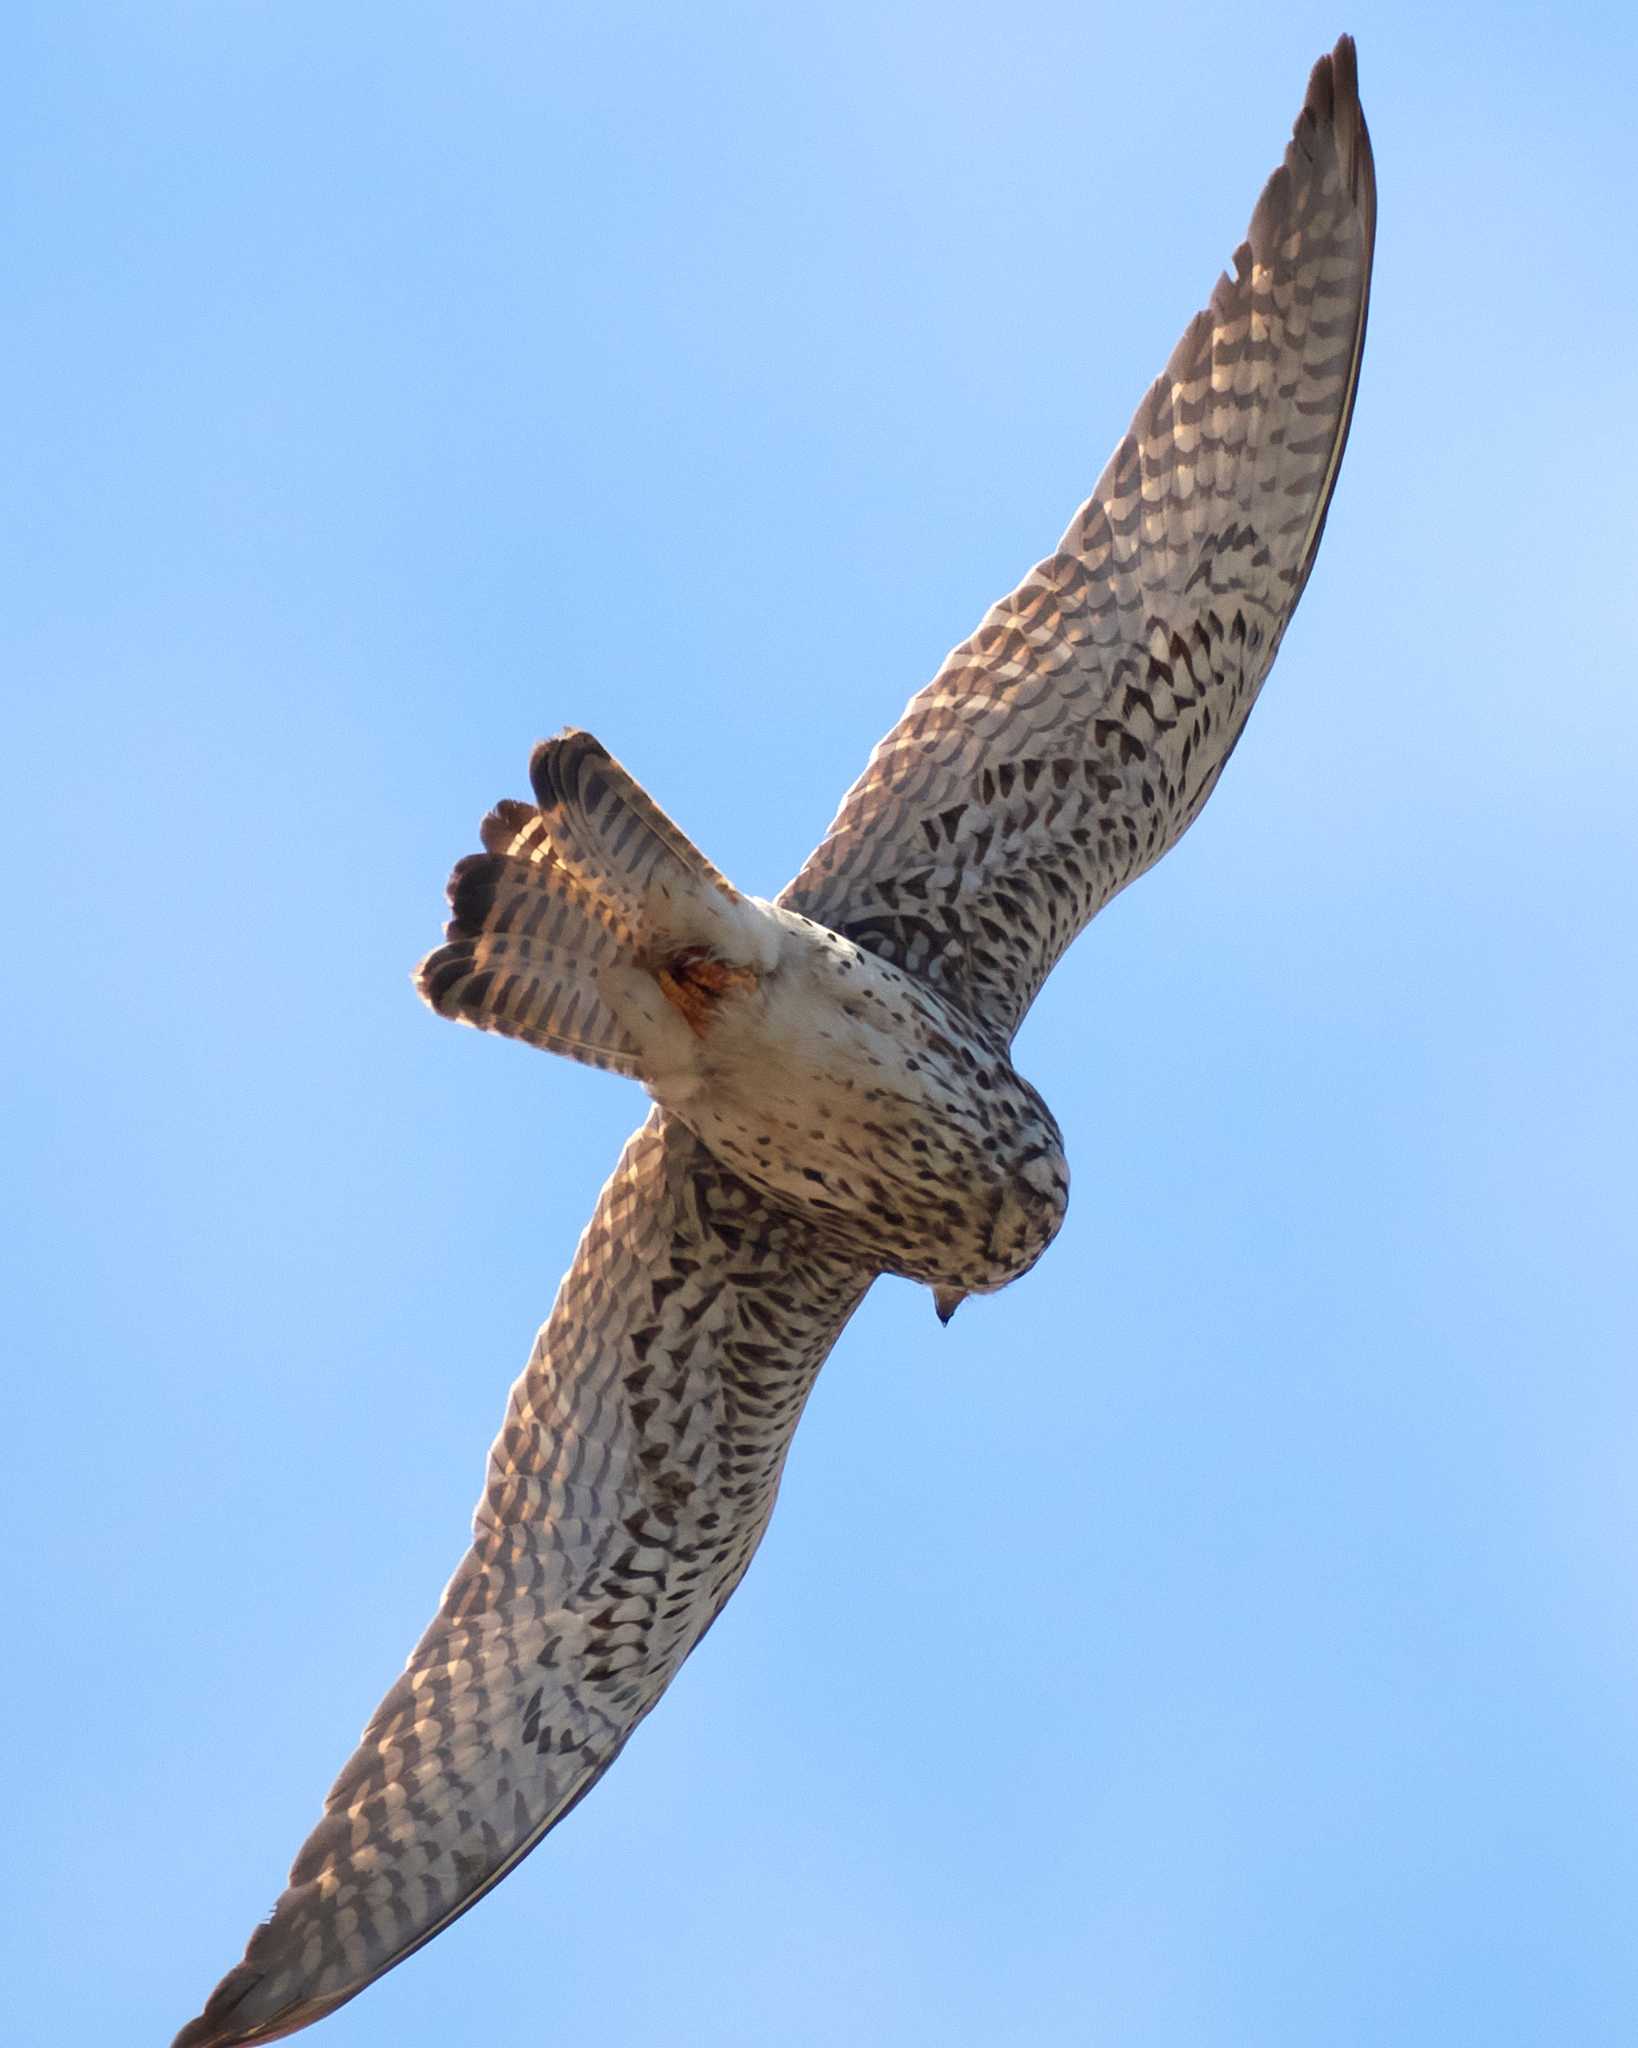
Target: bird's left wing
1065	746
630	1483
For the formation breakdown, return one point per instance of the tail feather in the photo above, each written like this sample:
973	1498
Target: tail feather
527	945
611	834
538	899
518	830
590	925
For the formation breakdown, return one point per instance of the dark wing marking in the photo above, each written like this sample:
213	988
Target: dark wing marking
630	1483
1066	745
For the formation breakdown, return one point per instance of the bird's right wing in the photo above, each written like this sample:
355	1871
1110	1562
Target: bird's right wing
630	1483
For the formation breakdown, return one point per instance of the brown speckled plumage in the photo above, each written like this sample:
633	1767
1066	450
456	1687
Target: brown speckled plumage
1058	753
1063	748
629	1485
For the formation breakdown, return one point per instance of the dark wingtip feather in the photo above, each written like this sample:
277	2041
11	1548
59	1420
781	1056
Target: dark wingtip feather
1333	104
1331	122
1330	119
217	2026
224	2023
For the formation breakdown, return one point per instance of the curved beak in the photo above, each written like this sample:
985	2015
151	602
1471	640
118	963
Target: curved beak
946	1300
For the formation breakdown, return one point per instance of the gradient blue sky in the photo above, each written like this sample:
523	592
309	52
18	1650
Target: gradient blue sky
1226	1636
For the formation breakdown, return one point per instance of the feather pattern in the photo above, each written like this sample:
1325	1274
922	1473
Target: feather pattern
1063	748
526	946
629	1485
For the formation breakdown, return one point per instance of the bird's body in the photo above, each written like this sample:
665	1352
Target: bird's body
836	1096
857	1096
860	1098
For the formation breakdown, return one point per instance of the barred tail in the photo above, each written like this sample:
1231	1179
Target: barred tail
592	926
528	945
612	836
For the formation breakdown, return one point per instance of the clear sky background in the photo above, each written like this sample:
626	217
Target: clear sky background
1226	1636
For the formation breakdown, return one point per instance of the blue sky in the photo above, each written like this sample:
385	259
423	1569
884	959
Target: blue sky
1228	1634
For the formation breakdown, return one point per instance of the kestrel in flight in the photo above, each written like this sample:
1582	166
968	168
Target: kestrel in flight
832	1073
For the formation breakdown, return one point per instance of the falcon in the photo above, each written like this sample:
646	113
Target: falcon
835	1096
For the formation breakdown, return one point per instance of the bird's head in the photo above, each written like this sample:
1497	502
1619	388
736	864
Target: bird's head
1029	1211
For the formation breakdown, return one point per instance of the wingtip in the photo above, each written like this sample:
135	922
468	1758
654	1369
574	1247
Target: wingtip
216	2026
1330	121
1333	103
259	2001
